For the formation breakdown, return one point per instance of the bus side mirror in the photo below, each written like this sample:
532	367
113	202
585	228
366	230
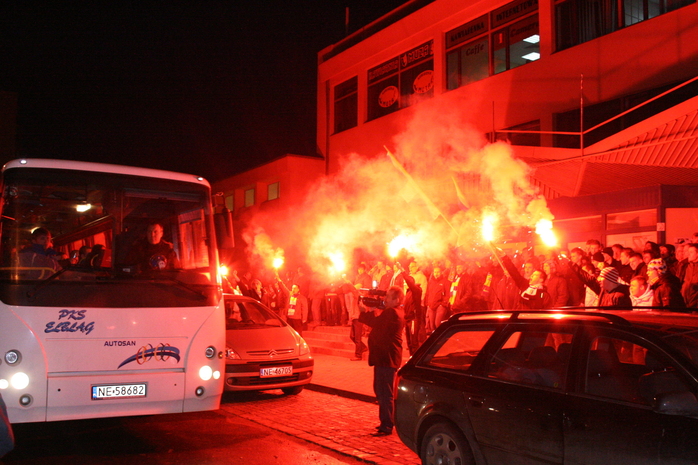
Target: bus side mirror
223	222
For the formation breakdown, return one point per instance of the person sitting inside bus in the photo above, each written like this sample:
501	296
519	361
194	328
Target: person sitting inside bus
152	252
40	255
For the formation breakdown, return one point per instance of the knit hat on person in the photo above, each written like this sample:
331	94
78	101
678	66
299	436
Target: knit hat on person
658	265
610	273
598	257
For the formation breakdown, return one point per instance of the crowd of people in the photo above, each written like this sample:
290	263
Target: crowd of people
615	276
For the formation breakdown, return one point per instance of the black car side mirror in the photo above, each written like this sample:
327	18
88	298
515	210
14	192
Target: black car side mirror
677	403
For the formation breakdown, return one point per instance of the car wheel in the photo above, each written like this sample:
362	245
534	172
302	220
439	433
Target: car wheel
443	444
292	391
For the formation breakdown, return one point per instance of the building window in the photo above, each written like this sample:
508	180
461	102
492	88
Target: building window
273	191
230	202
468	63
474	53
346	104
516	45
578	21
631	220
401	81
249	197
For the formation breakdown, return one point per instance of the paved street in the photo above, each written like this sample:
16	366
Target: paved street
337	411
337	423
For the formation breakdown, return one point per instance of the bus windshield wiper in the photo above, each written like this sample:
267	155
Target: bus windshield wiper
31	293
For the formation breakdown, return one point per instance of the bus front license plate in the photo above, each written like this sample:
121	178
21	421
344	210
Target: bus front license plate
118	391
275	371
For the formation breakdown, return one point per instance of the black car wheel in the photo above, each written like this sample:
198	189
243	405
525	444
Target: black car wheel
292	391
443	444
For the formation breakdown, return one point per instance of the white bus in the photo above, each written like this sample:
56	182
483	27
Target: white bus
102	335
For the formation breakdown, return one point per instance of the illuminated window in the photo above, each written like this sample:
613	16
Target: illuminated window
401	81
230	202
249	197
273	191
346	104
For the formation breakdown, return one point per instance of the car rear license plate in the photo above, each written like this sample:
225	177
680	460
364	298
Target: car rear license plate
275	371
118	391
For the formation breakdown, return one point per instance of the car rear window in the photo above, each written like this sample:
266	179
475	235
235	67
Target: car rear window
458	349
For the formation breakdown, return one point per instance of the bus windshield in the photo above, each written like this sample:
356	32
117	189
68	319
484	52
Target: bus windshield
81	238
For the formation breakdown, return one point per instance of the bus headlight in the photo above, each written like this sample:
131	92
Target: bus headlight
19	380
4	384
13	357
205	372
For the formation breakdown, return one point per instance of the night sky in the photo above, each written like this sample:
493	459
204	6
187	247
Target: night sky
204	87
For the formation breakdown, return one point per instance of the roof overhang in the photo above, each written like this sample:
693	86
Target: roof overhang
660	150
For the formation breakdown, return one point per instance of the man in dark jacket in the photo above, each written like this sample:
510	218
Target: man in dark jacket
575	287
666	286
414	312
385	355
438	291
558	296
533	292
153	252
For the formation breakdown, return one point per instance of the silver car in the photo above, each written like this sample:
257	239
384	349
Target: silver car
263	352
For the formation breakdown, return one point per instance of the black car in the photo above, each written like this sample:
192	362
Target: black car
554	387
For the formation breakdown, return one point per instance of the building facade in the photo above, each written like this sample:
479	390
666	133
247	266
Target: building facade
598	97
264	195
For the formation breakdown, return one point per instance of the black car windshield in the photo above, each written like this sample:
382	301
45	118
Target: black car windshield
246	314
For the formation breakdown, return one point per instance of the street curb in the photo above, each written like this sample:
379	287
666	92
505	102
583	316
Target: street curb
341	393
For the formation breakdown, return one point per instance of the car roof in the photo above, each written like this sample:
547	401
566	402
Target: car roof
615	317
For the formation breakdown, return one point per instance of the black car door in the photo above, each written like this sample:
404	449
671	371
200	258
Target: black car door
516	405
609	419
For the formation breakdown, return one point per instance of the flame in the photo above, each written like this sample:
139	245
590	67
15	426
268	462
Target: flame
223	270
278	262
338	263
400	242
544	228
489	222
